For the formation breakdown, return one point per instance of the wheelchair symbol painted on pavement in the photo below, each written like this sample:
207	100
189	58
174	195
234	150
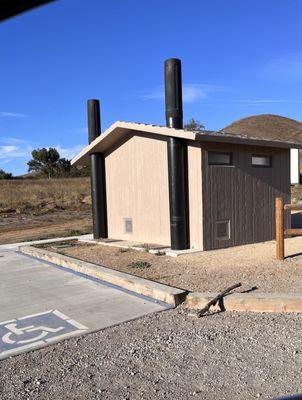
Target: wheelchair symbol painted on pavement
36	330
15	331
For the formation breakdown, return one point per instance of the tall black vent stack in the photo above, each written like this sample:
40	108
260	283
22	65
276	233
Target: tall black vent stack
98	180
177	158
173	93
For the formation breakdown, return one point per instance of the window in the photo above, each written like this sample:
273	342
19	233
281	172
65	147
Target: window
261	161
217	158
128	228
223	230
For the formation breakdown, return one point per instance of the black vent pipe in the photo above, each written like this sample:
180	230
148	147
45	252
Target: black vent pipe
173	93
177	158
94	119
98	180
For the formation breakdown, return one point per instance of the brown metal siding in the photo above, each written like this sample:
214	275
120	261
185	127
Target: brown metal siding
243	194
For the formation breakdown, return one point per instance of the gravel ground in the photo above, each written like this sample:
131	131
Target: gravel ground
252	265
166	356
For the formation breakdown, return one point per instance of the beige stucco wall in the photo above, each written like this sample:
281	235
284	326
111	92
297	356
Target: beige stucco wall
195	196
137	188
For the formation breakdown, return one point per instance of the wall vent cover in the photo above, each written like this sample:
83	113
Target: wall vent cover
128	226
223	230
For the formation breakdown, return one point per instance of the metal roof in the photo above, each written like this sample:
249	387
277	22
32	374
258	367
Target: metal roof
119	130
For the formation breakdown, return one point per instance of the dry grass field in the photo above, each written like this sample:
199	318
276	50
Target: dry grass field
36	194
32	209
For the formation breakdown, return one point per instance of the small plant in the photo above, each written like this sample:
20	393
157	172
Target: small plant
140	265
64	243
124	249
146	247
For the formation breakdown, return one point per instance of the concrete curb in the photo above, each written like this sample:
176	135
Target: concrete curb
155	290
262	302
244	302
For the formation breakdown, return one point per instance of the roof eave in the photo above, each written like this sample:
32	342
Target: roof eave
224	138
119	130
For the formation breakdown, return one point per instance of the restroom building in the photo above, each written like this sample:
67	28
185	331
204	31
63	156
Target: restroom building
181	189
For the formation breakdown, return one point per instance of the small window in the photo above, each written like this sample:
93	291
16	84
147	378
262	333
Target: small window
223	230
261	161
217	158
128	227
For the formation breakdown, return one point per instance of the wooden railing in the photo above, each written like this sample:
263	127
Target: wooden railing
280	231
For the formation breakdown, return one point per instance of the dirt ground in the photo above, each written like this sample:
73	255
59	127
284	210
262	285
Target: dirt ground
32	209
252	265
168	355
26	226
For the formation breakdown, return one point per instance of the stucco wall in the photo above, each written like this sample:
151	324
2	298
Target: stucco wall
195	196
137	188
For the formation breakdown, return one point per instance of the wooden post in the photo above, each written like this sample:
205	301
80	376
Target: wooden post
279	228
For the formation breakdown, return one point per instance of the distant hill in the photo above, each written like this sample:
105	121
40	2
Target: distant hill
267	126
30	175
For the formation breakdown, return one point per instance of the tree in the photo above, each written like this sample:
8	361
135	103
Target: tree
63	167
5	175
80	171
193	125
45	161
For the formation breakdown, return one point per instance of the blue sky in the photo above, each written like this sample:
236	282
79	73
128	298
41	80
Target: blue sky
239	58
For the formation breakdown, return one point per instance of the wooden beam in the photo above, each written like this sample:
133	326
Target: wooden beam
293	207
279	209
293	232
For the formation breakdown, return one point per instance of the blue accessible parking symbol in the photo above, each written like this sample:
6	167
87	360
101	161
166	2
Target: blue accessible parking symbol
36	330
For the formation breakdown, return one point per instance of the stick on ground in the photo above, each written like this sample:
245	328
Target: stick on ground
216	299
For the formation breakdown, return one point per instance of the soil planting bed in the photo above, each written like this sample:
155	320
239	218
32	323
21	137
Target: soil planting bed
252	265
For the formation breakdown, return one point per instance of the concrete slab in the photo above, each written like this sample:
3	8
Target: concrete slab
150	248
29	287
124	244
13	246
177	253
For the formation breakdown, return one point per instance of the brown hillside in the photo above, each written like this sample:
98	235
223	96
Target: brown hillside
267	126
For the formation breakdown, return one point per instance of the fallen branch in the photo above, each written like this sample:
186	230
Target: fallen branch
216	299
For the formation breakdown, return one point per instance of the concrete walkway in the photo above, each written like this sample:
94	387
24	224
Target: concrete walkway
42	304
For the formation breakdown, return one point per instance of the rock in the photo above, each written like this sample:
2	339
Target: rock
86	200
